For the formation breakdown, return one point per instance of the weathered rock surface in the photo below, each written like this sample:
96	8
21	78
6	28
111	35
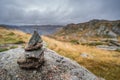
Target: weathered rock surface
106	47
114	44
105	31
56	67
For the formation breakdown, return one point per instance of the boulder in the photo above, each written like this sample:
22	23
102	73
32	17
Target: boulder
86	55
106	47
55	67
112	34
105	31
115	43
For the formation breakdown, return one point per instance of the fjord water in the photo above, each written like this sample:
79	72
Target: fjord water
42	29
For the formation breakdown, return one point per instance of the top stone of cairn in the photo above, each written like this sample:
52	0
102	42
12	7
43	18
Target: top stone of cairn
34	42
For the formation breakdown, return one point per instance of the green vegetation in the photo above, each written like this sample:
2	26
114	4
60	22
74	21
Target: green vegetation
118	50
7	48
93	43
11	34
75	41
13	47
19	42
3	49
11	37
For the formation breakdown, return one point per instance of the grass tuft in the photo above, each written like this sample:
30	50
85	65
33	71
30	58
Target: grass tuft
3	49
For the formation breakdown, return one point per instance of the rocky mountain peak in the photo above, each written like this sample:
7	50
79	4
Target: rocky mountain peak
95	28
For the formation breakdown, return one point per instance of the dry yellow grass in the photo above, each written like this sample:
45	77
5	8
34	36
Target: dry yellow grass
12	36
103	63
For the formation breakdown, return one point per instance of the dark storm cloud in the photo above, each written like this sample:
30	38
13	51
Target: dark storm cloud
111	9
57	11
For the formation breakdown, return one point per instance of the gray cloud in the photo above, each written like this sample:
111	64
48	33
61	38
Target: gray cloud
57	11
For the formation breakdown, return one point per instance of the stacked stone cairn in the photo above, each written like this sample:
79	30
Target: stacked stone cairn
33	56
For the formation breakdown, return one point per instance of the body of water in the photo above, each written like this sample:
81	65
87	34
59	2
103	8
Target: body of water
42	29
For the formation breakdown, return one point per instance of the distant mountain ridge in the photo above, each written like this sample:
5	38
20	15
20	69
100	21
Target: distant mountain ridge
42	29
92	28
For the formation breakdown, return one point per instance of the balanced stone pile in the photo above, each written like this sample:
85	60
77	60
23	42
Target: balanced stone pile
34	53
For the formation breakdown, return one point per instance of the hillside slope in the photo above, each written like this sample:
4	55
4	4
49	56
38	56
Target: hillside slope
90	30
12	36
103	63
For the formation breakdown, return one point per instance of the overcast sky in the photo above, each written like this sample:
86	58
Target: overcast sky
57	11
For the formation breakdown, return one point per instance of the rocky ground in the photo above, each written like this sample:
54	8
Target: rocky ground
55	67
